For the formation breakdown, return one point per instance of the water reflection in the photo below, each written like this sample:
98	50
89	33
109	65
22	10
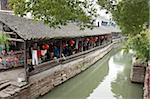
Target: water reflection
117	84
104	88
107	79
122	87
80	86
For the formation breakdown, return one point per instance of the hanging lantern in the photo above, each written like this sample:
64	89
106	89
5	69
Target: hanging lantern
72	42
45	46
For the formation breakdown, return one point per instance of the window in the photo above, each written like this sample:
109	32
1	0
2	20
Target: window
104	23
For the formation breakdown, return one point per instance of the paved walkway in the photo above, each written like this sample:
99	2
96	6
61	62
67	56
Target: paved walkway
12	75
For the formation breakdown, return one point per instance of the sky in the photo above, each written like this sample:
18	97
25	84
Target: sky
101	13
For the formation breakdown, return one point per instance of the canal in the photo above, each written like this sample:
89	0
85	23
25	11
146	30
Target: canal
106	79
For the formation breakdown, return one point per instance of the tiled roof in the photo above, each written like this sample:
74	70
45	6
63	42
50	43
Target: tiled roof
27	28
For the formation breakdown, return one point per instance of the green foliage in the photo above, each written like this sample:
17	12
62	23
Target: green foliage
140	44
56	12
106	4
131	16
3	38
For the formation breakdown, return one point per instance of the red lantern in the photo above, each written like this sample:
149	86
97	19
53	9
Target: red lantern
72	42
45	46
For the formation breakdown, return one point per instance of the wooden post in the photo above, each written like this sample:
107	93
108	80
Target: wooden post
93	42
25	62
81	44
99	43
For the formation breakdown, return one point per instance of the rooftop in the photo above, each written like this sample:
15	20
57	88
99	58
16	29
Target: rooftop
28	29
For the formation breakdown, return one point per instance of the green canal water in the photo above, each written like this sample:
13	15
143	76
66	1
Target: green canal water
106	79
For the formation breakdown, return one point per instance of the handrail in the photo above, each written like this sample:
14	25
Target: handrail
87	51
53	63
75	55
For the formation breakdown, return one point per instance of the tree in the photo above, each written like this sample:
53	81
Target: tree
56	12
140	44
132	16
3	38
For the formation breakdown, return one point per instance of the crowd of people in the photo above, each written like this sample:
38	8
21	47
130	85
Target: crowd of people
39	52
51	50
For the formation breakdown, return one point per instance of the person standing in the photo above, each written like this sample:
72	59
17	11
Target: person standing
34	55
56	52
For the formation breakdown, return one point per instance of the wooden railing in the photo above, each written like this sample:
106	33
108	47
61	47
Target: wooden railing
47	65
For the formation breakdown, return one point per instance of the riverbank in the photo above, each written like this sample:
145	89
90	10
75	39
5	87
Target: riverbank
147	83
140	73
108	78
43	82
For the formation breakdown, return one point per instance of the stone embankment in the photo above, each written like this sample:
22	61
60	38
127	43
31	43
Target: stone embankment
137	72
43	82
140	73
147	83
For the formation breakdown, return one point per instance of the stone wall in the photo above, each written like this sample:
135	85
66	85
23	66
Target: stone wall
43	82
147	83
137	73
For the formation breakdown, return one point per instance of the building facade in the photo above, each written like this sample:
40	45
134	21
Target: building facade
4	5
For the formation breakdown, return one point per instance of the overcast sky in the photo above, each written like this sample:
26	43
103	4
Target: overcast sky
102	13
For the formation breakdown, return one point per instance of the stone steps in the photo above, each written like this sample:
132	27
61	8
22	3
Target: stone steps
4	85
8	89
3	81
